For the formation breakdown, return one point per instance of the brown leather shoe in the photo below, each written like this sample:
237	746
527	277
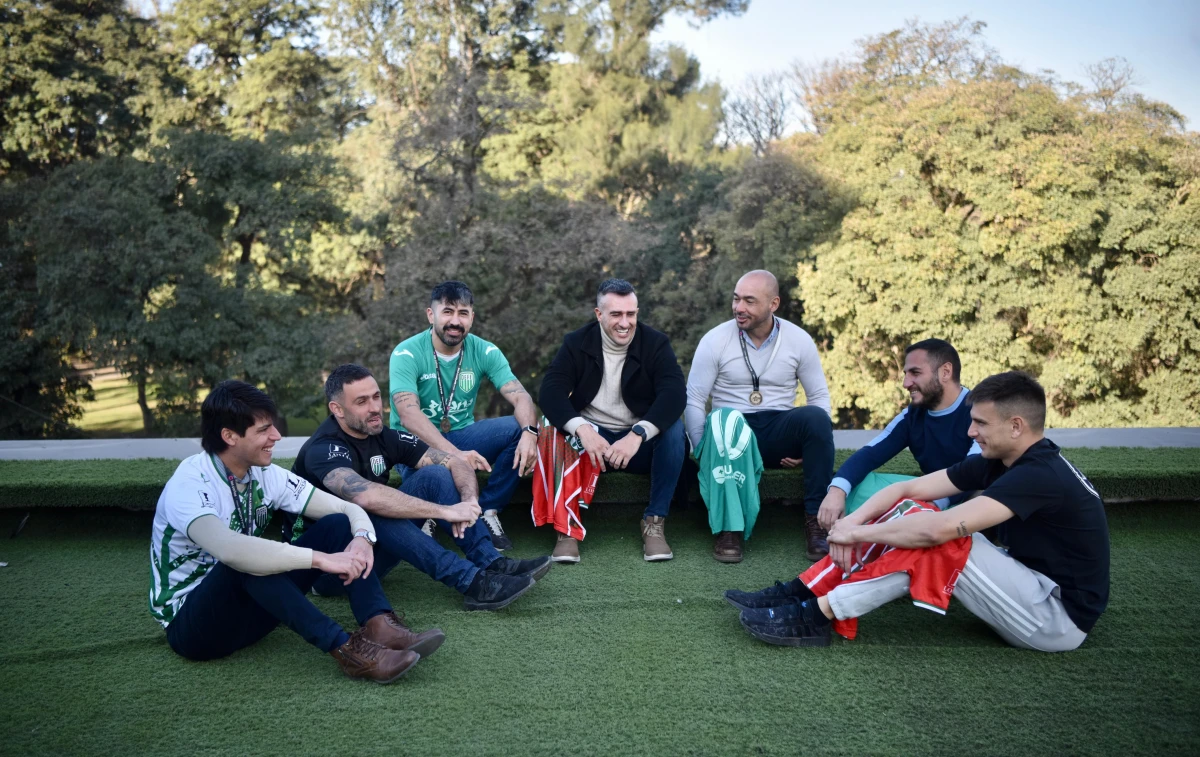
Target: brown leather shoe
815	537
389	630
728	547
362	658
566	550
654	541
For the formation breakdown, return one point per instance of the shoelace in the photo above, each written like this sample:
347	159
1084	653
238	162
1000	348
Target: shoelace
395	620
366	649
654	528
493	523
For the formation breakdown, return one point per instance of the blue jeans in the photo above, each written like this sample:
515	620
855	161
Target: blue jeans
805	432
231	610
402	538
496	439
661	457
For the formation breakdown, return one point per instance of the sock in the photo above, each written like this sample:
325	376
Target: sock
796	588
812	613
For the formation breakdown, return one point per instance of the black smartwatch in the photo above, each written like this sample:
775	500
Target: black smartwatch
531	429
640	431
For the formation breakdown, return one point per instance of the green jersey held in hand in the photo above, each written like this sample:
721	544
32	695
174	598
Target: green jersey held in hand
412	369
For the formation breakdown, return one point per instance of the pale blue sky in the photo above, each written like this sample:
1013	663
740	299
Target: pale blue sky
1161	38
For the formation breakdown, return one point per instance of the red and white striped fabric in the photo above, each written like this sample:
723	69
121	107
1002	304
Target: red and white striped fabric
563	482
933	571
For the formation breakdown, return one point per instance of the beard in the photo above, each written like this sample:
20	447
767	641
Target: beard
453	338
363	425
931	394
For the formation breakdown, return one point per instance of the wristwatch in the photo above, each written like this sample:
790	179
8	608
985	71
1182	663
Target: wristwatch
531	429
368	535
640	431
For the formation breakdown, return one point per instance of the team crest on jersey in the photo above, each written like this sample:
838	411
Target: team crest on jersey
337	450
467	380
377	465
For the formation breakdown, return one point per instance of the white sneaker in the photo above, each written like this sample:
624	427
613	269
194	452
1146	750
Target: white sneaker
428	526
492	520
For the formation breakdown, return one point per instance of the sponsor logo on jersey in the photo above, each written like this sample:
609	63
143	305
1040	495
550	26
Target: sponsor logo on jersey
295	486
467	380
400	352
488	351
204	500
337	450
427	377
406	438
948	589
729	443
723	473
377	465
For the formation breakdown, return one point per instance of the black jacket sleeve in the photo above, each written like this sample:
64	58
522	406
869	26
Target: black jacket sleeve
560	380
670	391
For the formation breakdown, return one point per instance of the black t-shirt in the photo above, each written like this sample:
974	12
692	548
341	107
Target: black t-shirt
1060	529
330	448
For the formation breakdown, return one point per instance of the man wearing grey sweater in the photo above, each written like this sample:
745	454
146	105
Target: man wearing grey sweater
753	364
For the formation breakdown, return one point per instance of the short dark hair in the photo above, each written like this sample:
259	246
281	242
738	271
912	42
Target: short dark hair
613	286
452	293
1014	393
233	405
347	373
940	352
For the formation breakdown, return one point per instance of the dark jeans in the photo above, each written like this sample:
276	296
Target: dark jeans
230	610
804	432
496	439
661	457
402	538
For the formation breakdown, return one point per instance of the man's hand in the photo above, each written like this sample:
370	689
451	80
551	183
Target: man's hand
593	444
362	549
341	564
791	462
461	517
620	453
842	556
526	455
476	460
832	507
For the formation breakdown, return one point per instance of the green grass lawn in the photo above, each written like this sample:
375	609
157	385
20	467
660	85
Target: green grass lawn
610	657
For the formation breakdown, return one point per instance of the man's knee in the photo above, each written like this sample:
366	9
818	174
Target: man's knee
810	419
433	483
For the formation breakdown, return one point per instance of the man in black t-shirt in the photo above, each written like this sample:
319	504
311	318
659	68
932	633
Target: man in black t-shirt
1045	593
351	455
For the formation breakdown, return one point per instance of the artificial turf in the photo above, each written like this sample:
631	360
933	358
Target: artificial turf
613	656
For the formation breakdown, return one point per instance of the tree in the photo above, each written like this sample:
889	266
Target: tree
760	112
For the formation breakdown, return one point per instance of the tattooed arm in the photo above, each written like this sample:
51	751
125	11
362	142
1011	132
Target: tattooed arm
526	415
390	503
460	470
409	408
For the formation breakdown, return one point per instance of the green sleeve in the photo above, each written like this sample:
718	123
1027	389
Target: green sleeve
402	369
496	366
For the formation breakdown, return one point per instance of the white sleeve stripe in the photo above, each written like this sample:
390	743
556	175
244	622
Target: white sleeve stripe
889	428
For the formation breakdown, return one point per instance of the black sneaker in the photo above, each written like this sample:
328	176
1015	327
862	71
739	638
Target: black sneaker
788	611
491	591
535	568
795	634
492	520
771	596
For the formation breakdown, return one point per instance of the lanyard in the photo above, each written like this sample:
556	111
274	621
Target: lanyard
437	371
243	504
746	357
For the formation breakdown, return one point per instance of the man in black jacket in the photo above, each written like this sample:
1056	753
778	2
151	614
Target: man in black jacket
616	386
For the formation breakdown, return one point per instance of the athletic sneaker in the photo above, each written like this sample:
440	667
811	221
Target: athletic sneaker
654	541
492	591
566	550
428	526
797	634
768	597
791	609
499	540
536	567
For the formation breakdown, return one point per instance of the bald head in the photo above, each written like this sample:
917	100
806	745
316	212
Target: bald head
764	282
755	299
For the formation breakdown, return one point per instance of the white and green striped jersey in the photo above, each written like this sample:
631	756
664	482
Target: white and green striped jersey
197	488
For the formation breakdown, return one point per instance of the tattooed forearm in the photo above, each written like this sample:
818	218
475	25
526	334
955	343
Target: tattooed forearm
346	484
512	388
405	400
962	529
435	457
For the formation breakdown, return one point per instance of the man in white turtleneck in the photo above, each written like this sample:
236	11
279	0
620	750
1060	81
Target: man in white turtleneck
616	385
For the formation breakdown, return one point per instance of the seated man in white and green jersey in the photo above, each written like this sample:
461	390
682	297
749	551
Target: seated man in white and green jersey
217	586
434	381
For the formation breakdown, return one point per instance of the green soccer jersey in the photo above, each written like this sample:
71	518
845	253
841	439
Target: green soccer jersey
412	367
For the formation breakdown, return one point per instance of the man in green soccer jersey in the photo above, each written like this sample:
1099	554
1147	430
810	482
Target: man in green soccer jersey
435	378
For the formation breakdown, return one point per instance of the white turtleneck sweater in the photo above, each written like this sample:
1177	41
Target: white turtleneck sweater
608	409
